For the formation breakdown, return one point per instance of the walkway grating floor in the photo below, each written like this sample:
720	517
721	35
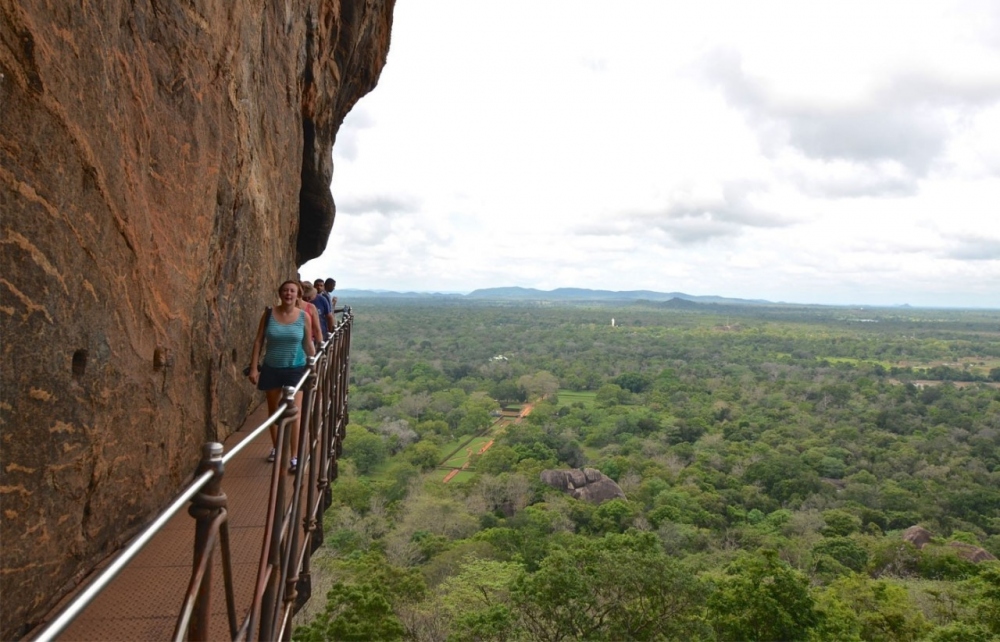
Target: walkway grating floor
142	603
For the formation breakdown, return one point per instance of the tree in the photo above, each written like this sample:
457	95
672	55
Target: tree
366	449
883	609
354	613
507	391
620	587
613	516
478	600
414	405
398	434
989	604
423	454
499	458
633	381
475	419
784	477
540	384
360	608
839	522
761	597
610	394
845	550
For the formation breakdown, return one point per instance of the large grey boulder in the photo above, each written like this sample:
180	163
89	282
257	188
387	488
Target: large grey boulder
920	536
917	535
972	552
588	484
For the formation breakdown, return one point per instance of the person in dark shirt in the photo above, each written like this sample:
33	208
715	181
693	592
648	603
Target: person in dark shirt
322	303
328	287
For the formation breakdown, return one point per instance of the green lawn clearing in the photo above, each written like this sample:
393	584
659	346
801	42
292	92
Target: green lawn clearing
452	446
570	397
461	476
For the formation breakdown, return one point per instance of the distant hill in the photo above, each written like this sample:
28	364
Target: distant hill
390	294
678	303
559	294
582	294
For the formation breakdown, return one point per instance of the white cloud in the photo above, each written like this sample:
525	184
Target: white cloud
974	248
841	152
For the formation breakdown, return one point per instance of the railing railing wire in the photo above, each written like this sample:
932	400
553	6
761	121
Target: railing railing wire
293	527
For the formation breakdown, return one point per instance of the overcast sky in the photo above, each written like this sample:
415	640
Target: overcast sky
815	152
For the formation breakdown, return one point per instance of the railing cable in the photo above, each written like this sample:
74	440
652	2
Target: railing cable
283	577
75	607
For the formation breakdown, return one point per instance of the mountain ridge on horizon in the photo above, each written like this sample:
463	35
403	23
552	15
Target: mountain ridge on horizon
584	295
517	293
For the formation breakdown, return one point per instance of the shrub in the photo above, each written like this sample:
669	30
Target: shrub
893	558
942	563
845	550
839	523
762	598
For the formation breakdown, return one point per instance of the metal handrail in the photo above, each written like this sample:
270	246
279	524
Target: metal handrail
74	608
280	542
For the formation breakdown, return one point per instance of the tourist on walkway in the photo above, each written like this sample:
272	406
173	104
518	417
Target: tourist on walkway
322	303
328	287
288	333
306	289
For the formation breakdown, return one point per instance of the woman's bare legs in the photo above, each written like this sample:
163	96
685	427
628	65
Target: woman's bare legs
295	425
273	399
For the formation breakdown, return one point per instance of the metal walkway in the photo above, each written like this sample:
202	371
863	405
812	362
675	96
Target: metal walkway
228	559
143	601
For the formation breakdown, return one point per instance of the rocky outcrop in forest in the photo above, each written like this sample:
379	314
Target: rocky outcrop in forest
920	537
588	484
163	166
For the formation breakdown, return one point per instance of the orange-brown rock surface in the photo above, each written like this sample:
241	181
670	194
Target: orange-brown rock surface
163	166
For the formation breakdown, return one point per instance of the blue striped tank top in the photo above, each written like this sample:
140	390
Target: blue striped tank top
284	343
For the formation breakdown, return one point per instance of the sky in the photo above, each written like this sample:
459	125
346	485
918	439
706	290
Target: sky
835	152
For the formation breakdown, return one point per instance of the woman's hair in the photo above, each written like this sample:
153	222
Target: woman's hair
297	285
308	291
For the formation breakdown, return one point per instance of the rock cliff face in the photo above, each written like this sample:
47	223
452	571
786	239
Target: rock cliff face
163	166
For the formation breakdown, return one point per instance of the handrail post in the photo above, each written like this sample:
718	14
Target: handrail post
343	373
276	560
323	452
303	585
205	507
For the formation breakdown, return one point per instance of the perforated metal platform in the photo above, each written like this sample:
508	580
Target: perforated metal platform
143	602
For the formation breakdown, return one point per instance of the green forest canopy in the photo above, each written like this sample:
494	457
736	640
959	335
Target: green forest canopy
771	458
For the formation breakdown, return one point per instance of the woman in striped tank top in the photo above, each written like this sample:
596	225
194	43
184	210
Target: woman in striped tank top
289	342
